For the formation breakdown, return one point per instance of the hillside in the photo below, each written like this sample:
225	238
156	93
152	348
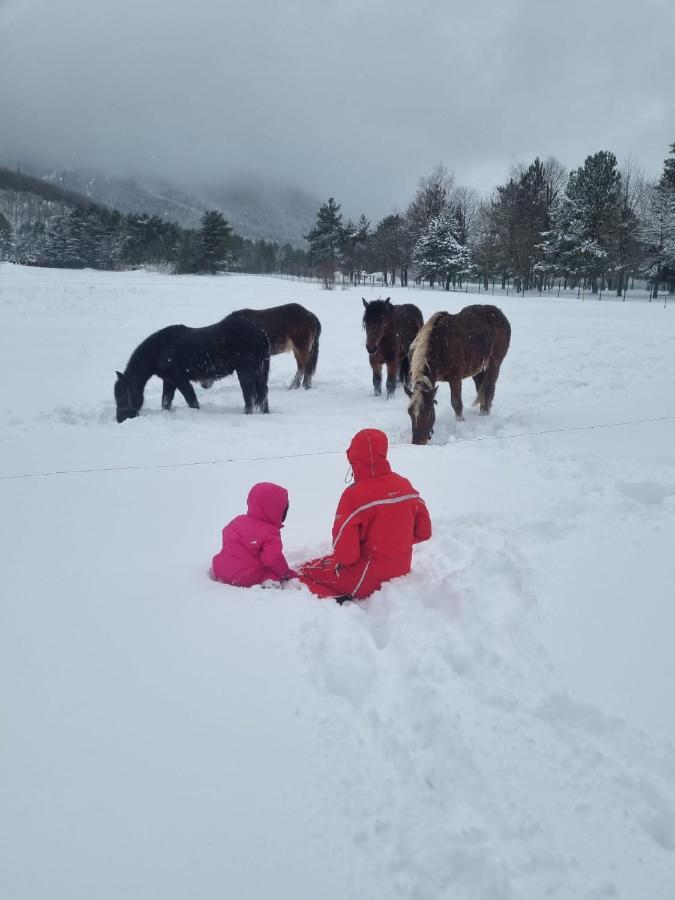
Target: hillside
255	209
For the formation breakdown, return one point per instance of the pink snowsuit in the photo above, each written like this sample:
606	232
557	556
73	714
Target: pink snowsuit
252	551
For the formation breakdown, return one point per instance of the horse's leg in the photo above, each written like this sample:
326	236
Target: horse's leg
260	384
247	384
404	371
489	385
168	390
392	377
297	378
479	381
456	397
304	363
377	375
186	389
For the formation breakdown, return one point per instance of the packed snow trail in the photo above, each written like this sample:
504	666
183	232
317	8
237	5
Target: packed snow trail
493	726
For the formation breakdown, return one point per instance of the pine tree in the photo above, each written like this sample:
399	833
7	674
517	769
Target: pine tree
386	247
213	241
63	247
521	212
567	249
325	241
438	254
668	177
595	190
657	233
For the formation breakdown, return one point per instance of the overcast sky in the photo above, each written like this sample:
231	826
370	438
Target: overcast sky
354	98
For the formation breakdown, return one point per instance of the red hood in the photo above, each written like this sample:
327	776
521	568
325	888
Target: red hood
267	501
367	454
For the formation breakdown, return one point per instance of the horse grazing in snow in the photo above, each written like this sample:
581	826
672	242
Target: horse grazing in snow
390	329
179	354
471	343
293	328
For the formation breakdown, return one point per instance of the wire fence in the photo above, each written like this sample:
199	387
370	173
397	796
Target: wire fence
308	453
638	291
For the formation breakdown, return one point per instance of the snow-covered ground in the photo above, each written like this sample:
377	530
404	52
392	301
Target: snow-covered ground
498	725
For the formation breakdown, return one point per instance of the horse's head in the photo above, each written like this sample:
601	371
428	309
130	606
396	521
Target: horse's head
376	318
127	399
422	409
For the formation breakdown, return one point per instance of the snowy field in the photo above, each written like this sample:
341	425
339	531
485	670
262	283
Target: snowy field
500	724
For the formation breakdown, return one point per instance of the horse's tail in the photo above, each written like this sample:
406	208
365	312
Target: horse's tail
480	381
313	359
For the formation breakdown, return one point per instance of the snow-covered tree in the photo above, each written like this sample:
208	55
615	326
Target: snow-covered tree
353	250
5	237
433	193
568	250
657	233
63	242
668	177
595	191
438	255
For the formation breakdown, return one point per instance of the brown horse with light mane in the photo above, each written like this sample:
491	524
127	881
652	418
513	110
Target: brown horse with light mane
470	344
291	328
390	330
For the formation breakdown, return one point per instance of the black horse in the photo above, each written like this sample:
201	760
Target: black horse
179	354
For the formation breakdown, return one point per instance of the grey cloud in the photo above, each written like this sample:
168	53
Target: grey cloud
355	99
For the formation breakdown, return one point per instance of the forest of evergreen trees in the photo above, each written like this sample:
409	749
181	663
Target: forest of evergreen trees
598	227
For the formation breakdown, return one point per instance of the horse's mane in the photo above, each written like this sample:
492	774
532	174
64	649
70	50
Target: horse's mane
419	349
419	378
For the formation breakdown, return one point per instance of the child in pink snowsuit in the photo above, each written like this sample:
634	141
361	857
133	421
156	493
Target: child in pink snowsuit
252	551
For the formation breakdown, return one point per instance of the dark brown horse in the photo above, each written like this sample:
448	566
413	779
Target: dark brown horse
291	327
470	344
390	330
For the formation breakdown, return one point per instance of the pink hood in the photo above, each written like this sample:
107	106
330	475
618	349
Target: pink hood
268	502
252	550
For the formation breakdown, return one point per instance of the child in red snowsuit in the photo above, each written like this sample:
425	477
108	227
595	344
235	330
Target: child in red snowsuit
252	551
378	520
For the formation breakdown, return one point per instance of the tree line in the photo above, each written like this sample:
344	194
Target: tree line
596	227
52	234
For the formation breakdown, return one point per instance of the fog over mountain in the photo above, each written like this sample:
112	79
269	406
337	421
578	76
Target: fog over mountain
356	99
254	206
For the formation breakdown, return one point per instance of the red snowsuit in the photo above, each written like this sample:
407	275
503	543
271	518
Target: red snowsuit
378	520
252	550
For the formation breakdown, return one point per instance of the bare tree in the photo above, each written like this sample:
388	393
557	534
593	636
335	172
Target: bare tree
633	183
433	194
